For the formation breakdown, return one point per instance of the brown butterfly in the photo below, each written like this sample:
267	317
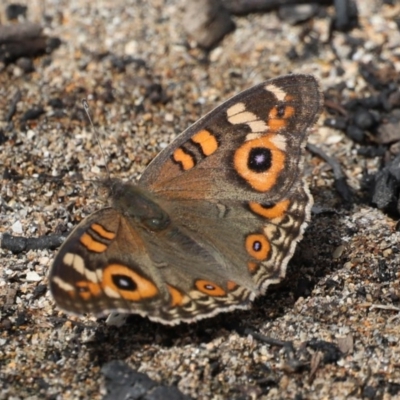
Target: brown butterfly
212	222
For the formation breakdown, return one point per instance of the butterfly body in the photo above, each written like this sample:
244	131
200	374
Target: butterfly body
212	222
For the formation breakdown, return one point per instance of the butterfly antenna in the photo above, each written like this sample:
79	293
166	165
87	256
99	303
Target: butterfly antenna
86	108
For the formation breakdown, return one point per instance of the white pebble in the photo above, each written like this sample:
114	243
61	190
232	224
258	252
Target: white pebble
33	276
17	227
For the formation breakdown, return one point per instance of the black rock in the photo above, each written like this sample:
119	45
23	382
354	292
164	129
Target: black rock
124	383
336	123
363	119
26	64
386	188
355	133
346	15
297	13
13	11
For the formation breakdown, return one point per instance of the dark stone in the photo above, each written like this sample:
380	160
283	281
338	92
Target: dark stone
384	191
207	22
363	119
371	102
297	13
120	63
56	103
361	291
394	99
371	151
21	319
393	388
386	188
355	133
388	132
370	76
33	113
39	291
52	44
154	92
124	383
346	15
3	137
26	64
332	284
384	273
336	123
369	392
13	11
331	351
292	54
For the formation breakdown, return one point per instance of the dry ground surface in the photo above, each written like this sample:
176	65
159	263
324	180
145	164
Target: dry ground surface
339	304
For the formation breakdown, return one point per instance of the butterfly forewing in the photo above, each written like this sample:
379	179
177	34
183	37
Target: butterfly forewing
248	148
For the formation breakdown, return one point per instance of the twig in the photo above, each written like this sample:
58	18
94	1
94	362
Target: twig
17	244
340	178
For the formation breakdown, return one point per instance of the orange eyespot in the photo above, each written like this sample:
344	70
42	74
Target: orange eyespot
258	246
270	212
127	283
259	162
209	288
87	290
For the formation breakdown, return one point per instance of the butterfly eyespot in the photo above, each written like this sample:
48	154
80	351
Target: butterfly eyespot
280	110
270	211
258	246
124	282
260	159
209	288
86	290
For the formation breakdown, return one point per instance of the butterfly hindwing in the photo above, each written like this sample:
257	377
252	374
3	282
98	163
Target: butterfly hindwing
111	263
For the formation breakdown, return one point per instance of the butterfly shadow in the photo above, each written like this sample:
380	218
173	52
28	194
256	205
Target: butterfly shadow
311	263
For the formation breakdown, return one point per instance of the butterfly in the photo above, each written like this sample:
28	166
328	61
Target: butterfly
211	223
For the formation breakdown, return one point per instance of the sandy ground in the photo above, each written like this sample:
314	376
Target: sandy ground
339	304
